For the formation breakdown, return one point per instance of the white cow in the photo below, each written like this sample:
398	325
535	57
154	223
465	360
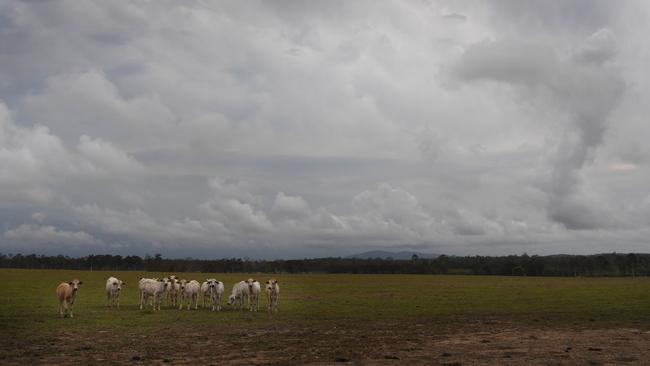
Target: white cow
113	290
190	292
67	293
254	290
173	290
154	288
141	295
205	291
272	294
239	295
165	295
216	290
181	292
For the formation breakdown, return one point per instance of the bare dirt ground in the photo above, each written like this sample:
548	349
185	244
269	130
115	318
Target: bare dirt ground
380	343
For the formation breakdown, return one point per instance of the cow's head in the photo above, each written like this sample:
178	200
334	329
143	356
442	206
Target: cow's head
75	284
270	284
117	285
250	282
231	299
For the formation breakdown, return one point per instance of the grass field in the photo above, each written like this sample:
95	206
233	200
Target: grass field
30	302
29	305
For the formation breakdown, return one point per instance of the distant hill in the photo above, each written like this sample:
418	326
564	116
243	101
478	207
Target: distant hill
395	255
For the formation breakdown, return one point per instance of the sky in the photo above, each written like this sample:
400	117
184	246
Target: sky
290	129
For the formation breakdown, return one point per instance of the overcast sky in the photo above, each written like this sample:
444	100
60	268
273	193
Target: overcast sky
314	128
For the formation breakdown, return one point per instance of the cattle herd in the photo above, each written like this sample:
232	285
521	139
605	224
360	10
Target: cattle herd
178	292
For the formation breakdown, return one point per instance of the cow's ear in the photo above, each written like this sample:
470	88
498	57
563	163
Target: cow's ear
267	282
80	282
276	281
70	283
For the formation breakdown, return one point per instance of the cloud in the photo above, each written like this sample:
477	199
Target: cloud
235	207
576	213
515	62
600	47
290	207
580	92
105	157
140	232
35	163
36	236
38	217
280	129
87	103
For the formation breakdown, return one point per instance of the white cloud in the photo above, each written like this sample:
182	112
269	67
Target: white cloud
36	236
235	207
290	207
104	157
38	217
37	166
87	103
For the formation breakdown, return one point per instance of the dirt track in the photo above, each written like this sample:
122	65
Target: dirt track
398	343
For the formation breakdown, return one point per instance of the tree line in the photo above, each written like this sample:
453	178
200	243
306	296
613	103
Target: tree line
611	264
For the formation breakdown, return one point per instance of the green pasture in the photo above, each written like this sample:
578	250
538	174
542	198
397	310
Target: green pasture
29	302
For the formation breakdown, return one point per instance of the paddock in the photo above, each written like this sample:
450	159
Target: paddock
327	318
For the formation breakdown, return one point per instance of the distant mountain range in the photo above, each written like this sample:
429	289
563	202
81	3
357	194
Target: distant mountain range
395	255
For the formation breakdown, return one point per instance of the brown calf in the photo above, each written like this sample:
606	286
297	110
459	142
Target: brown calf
67	293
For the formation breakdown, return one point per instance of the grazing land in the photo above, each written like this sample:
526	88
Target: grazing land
322	319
